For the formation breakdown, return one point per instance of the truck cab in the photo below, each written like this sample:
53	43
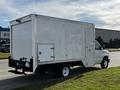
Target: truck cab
101	55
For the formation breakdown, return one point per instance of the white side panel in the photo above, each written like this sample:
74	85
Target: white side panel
90	45
66	35
75	42
52	31
22	40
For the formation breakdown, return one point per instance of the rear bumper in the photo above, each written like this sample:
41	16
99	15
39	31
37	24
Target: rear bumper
21	64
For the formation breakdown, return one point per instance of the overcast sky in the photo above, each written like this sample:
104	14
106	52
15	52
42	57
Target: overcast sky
103	13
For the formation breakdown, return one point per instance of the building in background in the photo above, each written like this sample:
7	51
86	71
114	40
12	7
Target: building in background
110	38
4	35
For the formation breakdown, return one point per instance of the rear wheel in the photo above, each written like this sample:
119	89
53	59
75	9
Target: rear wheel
105	63
64	71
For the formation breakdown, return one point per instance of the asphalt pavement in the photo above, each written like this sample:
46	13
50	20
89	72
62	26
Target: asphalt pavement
114	59
9	79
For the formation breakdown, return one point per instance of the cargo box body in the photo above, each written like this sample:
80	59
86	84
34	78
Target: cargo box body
48	40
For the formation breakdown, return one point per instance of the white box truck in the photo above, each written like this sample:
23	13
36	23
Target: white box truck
54	43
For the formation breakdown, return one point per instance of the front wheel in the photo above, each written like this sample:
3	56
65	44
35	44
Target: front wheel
105	63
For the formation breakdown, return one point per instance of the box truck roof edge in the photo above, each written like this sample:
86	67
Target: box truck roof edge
18	19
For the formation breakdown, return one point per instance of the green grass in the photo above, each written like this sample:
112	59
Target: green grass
4	55
105	79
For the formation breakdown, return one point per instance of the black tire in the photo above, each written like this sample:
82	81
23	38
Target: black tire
105	63
64	71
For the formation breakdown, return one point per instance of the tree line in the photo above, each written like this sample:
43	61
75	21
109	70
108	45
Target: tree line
113	43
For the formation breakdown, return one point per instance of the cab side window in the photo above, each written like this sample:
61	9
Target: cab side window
97	46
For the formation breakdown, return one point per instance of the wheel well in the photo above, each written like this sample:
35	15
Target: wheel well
106	58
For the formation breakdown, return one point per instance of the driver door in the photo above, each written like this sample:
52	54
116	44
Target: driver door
98	52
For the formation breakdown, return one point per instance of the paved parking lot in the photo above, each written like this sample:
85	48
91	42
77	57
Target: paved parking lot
9	80
114	59
4	70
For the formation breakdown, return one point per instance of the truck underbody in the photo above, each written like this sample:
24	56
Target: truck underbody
21	64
